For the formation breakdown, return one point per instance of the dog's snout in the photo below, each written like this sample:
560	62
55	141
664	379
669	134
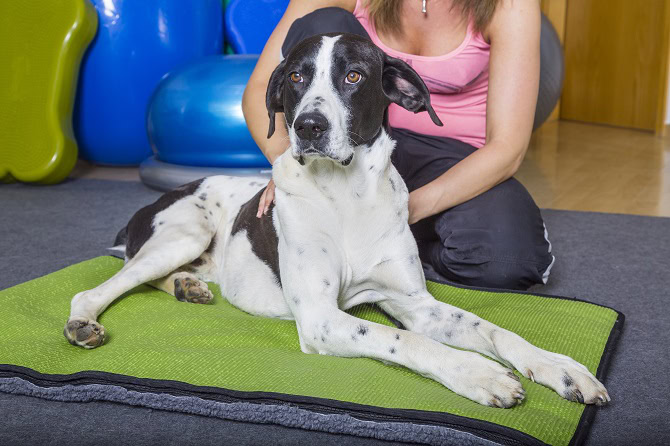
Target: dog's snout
310	126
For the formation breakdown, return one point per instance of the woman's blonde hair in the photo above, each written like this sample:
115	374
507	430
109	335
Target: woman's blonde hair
386	13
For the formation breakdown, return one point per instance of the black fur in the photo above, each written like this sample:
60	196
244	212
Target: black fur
140	227
260	232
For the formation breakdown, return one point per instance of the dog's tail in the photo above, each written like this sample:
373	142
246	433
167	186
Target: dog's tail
120	242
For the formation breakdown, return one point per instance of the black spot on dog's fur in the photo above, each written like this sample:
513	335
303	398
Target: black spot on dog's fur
476	324
458	316
260	232
211	246
199	206
326	283
218	205
567	380
362	330
397	337
392	350
203	196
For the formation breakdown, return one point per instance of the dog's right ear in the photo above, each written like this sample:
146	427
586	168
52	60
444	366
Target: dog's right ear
274	96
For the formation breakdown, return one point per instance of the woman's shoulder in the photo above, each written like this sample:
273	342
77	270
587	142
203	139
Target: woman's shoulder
509	14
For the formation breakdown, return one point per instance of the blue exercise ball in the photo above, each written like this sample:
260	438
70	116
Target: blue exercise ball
137	43
195	115
249	23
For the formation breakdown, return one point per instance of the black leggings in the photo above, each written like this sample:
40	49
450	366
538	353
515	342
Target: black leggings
497	239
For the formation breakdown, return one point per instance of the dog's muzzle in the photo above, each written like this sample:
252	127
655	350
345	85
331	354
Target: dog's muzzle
311	128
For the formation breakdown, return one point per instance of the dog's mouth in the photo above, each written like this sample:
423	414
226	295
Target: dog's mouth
311	152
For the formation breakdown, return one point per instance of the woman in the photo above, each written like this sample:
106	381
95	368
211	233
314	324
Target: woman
473	222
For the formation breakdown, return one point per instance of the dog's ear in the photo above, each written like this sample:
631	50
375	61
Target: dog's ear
274	96
403	86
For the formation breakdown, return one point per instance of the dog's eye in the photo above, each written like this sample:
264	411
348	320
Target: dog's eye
295	77
353	77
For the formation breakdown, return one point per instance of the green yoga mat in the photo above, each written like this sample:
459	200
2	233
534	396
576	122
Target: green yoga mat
164	343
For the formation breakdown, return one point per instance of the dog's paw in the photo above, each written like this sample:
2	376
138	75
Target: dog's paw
84	332
567	377
489	383
188	289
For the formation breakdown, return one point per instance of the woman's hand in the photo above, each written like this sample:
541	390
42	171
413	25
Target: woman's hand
267	198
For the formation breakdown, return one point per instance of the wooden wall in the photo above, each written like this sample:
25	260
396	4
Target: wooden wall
616	62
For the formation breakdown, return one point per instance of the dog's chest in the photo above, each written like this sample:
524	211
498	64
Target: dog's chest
362	215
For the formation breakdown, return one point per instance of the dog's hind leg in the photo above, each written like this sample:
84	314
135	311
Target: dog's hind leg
185	286
162	254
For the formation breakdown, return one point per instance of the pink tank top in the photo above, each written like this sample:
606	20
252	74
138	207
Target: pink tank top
458	83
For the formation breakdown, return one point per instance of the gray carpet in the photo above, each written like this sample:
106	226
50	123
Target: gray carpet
615	260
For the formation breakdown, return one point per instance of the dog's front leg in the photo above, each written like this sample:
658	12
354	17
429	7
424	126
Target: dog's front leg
311	282
453	326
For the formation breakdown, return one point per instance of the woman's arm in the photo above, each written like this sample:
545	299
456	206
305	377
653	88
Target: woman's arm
514	74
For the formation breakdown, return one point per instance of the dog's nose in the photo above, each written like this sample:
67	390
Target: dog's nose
310	126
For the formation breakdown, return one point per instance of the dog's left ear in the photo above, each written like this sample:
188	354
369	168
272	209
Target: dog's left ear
274	96
403	86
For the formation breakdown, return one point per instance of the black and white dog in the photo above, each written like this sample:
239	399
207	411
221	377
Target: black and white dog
337	237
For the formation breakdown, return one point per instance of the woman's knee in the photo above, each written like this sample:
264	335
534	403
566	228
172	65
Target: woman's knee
476	265
497	240
321	21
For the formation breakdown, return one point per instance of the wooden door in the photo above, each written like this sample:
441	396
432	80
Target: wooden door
616	56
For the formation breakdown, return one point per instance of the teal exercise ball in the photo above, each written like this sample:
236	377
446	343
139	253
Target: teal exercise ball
195	115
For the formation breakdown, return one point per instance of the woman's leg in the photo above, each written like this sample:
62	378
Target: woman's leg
321	21
497	239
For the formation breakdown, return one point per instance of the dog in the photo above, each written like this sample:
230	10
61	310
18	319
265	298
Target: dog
338	236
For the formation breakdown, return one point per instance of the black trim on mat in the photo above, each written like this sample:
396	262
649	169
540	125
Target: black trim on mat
483	429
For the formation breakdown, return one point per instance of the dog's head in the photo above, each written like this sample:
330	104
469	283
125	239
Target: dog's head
334	90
